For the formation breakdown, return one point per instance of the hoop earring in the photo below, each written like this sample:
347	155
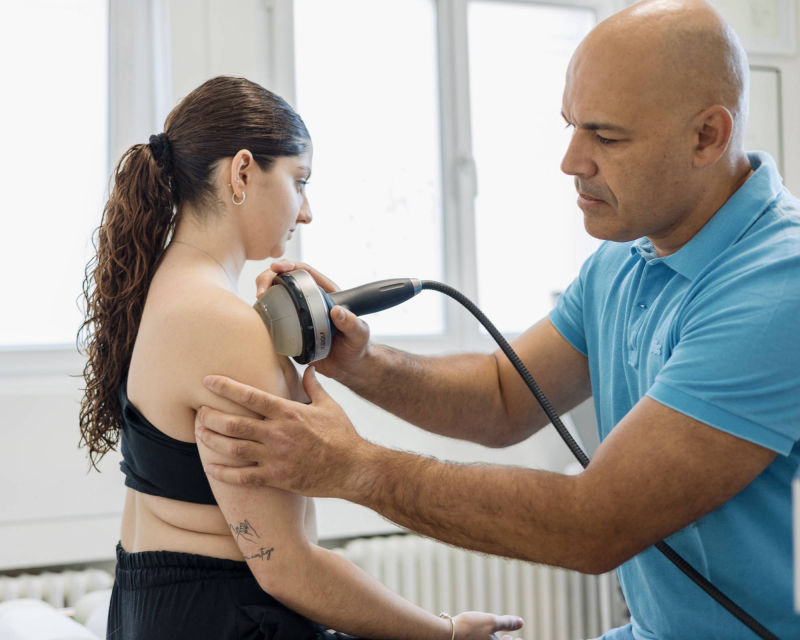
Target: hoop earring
241	202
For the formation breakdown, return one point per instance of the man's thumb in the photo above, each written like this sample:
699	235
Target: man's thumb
312	386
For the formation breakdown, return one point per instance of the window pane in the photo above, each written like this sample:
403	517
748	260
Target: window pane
367	89
53	53
527	220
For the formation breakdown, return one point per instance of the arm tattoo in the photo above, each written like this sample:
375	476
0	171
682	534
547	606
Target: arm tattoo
244	530
247	531
261	554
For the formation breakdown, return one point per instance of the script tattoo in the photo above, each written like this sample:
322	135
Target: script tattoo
261	554
244	530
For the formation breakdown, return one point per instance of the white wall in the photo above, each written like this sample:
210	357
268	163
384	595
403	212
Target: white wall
53	510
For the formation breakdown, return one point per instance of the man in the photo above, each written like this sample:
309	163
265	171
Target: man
685	327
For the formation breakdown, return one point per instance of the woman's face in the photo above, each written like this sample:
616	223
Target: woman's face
276	203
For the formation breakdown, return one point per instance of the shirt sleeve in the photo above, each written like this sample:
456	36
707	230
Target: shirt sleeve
568	315
735	364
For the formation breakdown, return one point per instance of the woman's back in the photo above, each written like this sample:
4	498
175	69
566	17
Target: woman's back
185	333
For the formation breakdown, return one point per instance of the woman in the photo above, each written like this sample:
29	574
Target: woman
224	183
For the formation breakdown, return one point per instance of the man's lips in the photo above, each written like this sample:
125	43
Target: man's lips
590	198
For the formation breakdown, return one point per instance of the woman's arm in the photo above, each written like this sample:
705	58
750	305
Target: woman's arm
270	525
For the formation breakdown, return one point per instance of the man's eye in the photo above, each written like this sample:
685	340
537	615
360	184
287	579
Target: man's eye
603	140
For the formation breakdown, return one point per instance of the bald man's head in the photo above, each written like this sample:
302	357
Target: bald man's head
679	53
657	95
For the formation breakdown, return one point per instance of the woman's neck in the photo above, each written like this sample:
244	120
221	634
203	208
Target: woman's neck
212	243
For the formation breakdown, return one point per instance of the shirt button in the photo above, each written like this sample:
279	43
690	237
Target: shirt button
642	305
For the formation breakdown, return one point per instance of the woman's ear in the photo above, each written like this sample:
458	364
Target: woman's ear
712	129
241	167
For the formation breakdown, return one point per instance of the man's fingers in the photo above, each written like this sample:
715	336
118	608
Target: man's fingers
320	278
258	401
343	318
238	450
312	386
265	279
349	323
227	424
235	475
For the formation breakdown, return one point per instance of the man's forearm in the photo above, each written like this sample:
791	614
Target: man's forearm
456	395
519	513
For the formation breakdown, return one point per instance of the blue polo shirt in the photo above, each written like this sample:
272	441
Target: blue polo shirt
712	331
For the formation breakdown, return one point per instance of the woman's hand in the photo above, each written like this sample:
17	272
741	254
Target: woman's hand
476	625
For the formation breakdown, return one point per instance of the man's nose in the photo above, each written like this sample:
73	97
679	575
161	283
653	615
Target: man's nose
577	160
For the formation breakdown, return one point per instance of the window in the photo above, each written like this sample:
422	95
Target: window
54	165
370	100
437	143
528	230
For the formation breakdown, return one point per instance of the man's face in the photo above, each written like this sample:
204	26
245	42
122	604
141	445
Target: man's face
630	152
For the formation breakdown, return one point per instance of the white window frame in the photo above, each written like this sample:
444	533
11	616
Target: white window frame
458	171
461	330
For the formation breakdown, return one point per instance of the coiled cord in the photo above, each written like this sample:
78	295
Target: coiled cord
672	555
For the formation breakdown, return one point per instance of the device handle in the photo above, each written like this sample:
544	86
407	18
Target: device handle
376	296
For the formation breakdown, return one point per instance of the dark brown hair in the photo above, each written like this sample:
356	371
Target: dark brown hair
150	183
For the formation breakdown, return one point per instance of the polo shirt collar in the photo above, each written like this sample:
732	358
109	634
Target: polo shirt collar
726	225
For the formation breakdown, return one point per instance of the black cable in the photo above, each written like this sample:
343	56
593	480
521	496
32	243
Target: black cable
673	556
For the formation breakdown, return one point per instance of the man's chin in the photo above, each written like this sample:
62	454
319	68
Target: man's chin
599	227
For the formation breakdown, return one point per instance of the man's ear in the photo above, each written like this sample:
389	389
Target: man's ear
712	129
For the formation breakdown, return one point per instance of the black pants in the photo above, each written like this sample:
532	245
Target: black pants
163	595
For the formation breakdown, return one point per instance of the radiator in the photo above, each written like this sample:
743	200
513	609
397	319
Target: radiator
556	604
60	589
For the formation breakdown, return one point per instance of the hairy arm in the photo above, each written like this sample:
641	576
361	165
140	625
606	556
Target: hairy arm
476	397
641	486
658	471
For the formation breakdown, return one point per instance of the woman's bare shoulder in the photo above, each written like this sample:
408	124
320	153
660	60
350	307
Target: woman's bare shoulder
192	328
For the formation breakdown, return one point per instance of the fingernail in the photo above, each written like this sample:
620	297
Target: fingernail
209	381
260	292
341	314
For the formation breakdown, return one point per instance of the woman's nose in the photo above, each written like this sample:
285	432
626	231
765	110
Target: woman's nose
305	216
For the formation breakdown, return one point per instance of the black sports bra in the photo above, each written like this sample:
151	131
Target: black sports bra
156	464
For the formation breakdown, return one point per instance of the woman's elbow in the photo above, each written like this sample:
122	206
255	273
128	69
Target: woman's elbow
279	573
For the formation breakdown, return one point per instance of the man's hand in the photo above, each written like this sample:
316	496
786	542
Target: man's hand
350	345
265	279
311	449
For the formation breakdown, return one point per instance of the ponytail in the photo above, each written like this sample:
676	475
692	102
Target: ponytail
152	182
137	223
